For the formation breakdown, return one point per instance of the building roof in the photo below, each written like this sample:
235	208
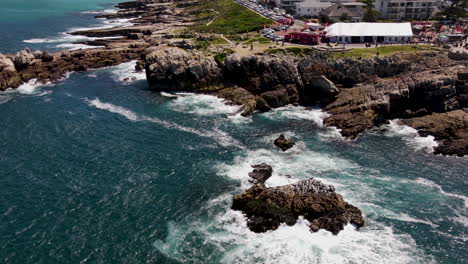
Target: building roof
369	29
337	10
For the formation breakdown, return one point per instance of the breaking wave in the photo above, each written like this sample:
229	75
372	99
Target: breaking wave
126	72
298	113
232	242
411	136
202	104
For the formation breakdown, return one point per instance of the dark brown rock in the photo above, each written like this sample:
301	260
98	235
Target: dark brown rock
283	143
261	173
266	208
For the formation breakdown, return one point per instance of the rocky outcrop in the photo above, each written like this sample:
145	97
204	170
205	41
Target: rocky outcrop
284	143
267	208
366	105
9	77
175	69
358	93
449	129
23	59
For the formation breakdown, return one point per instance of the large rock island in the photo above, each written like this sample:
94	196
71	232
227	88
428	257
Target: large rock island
267	208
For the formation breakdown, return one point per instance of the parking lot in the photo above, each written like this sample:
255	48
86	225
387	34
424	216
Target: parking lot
277	30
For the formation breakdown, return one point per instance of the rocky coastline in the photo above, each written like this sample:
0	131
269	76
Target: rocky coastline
152	21
357	93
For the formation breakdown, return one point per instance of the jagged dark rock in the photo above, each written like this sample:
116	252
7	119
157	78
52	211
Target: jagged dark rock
261	173
283	143
267	208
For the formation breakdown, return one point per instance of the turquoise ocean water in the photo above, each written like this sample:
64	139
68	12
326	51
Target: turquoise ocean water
98	170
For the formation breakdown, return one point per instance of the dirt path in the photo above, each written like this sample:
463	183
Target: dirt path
212	20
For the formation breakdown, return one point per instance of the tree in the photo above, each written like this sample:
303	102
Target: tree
344	16
370	15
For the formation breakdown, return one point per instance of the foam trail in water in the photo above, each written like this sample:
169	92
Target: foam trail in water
411	136
4	99
429	183
221	137
65	40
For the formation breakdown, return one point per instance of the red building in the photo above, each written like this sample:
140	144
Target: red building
303	38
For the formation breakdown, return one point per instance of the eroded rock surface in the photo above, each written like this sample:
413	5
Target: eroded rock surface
267	208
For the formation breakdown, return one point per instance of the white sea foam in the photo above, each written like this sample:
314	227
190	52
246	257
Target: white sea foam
106	11
411	136
228	233
65	40
71	46
168	95
221	137
126	72
32	88
202	104
298	113
288	167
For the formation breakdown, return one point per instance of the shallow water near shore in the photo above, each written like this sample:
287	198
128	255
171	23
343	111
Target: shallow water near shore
99	169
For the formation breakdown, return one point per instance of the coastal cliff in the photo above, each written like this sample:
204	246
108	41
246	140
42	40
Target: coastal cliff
357	93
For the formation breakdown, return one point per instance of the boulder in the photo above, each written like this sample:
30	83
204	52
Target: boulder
325	89
135	35
47	56
261	173
38	55
283	143
267	208
6	64
23	59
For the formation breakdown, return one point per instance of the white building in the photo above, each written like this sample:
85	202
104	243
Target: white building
311	8
369	32
405	9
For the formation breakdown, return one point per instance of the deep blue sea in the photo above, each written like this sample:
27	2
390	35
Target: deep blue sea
98	170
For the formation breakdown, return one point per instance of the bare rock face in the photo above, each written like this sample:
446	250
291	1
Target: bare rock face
266	208
6	64
366	105
23	59
283	143
175	69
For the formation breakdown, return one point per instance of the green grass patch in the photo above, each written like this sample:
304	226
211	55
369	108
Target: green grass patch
219	58
219	41
261	40
296	51
382	51
227	17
